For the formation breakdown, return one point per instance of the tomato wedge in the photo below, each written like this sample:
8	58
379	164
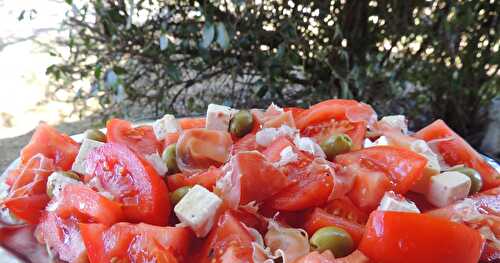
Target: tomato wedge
403	167
132	181
344	208
140	139
250	177
415	238
27	195
228	242
51	144
87	205
192	123
206	179
455	150
62	236
324	130
337	109
198	149
135	243
320	218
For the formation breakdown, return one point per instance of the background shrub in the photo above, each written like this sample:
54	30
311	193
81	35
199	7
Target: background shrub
427	59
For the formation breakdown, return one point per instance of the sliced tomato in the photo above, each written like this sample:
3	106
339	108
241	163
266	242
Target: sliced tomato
62	236
85	204
140	139
345	208
246	143
135	243
274	117
416	238
250	177
337	109
310	191
316	257
324	130
198	149
132	181
192	123
455	150
171	138
52	144
294	110
228	242
206	179
403	167
369	187
27	196
320	218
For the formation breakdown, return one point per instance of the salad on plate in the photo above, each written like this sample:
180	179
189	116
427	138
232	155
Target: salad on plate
330	183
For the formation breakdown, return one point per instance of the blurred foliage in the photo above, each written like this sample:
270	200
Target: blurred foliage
427	59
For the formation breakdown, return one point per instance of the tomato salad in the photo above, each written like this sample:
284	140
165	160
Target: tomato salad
331	183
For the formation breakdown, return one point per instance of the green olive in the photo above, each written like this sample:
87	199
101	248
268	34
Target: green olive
69	174
336	144
475	178
168	157
96	135
332	238
241	123
178	194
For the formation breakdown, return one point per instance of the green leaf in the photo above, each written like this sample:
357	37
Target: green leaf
173	72
97	71
262	91
207	35
69	2
222	35
119	70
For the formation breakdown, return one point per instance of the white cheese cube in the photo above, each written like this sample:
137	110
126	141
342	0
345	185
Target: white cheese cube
197	209
57	181
396	121
367	143
87	146
392	202
287	156
381	141
167	124
157	162
448	187
218	117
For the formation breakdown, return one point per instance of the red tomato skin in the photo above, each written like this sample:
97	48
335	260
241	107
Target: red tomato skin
192	123
137	182
259	178
344	208
319	218
394	237
104	243
458	151
206	179
304	193
229	237
52	144
87	205
324	130
28	208
403	167
337	109
368	189
63	236
295	111
140	139
246	143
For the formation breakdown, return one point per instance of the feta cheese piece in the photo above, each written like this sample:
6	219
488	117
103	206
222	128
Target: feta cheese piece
432	168
266	136
306	144
396	121
367	143
218	117
87	146
393	202
448	187
197	210
157	162
287	156
381	141
57	181
167	124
